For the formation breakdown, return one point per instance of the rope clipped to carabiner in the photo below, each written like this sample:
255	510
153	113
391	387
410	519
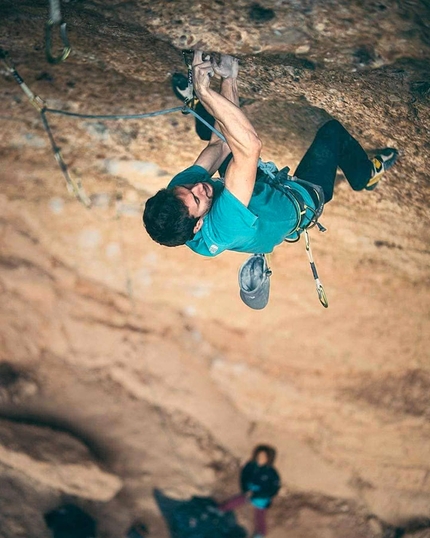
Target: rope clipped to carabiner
320	289
55	19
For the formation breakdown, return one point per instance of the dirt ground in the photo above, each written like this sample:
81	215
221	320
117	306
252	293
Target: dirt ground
126	366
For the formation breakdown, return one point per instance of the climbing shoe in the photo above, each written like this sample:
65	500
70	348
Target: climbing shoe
180	87
381	163
184	93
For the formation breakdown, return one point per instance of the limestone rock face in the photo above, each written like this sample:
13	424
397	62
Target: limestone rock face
56	460
15	386
146	354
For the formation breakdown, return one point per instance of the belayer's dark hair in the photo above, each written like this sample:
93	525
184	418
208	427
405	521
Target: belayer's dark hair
167	220
269	450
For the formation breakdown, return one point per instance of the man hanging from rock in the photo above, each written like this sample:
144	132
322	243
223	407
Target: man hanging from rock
260	483
243	211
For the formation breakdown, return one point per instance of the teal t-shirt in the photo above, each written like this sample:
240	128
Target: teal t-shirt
269	218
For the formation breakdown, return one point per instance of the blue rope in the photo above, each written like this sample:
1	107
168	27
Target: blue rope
114	116
263	166
194	113
268	168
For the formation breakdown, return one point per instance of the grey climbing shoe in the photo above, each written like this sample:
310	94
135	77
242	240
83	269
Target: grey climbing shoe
180	87
381	163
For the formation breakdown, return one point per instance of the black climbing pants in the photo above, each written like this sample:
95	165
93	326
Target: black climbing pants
334	147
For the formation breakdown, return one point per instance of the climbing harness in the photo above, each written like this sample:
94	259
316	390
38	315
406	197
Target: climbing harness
277	178
280	180
54	20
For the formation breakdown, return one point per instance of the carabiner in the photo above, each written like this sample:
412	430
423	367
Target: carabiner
63	34
322	295
188	56
319	287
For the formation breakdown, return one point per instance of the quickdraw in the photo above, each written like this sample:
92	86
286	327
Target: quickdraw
74	187
55	19
191	99
320	289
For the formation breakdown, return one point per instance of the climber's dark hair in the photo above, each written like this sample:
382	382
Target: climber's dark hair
167	220
269	450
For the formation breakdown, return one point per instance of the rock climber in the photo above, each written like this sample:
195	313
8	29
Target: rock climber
242	211
259	482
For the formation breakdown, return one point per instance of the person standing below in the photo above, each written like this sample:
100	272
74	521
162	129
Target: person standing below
259	482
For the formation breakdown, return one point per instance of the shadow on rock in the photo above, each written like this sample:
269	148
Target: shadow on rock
198	517
69	521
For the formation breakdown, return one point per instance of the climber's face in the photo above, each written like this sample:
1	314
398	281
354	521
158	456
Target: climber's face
198	198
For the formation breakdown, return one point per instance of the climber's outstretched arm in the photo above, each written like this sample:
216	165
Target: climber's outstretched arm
217	150
241	136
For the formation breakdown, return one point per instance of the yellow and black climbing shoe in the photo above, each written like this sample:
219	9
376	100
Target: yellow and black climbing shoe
381	163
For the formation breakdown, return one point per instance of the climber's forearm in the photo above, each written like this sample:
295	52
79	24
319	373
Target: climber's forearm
234	125
230	92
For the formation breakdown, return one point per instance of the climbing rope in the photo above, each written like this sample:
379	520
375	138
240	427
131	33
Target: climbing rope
54	20
114	116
